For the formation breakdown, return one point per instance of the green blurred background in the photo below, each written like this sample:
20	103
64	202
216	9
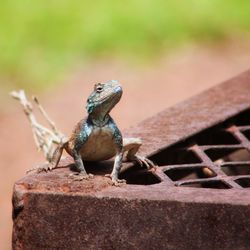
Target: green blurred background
41	39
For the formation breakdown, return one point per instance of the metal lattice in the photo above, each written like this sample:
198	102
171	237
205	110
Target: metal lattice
215	158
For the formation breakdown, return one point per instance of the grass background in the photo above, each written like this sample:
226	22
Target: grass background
41	39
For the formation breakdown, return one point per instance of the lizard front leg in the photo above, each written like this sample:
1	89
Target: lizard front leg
82	174
117	138
78	139
131	146
116	169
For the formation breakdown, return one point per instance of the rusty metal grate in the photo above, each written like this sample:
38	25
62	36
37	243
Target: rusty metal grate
218	157
203	142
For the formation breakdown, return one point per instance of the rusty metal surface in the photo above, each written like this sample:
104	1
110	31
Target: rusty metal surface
198	198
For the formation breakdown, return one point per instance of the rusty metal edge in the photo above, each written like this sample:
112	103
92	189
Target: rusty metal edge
153	192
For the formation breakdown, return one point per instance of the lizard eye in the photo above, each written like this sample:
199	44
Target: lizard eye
99	88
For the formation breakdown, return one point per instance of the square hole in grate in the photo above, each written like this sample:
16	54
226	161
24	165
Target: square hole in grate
238	155
177	174
216	137
208	184
228	154
247	133
139	177
175	157
244	182
238	169
242	119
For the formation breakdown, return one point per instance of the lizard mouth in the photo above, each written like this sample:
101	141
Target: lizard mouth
118	89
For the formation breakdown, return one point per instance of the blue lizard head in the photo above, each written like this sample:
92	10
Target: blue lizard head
104	97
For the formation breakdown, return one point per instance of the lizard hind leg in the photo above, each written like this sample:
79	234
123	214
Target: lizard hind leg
53	161
131	146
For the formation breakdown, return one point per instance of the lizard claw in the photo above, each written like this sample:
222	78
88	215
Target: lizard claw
118	182
115	181
81	176
41	168
144	161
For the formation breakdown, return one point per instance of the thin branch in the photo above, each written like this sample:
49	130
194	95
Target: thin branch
45	139
46	116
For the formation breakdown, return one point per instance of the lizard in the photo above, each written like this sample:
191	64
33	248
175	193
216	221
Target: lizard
97	137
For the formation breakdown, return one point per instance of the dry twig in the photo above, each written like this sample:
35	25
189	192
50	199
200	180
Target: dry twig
46	140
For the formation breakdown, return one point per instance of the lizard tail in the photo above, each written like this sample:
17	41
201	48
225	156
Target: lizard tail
57	155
